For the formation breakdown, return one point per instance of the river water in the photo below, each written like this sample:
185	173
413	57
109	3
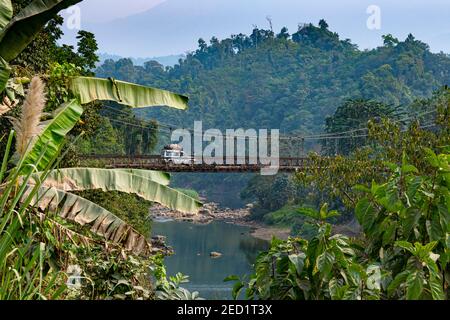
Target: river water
193	244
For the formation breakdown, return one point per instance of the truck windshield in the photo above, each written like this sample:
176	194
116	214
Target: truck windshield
172	154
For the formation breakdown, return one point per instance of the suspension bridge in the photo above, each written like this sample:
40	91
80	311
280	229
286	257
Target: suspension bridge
293	160
155	162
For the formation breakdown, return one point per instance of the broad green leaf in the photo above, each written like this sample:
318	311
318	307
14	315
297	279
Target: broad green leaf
53	136
89	89
407	168
361	188
398	280
389	233
337	291
414	283
79	179
237	288
352	293
87	213
6	12
309	212
432	158
392	166
410	220
373	277
323	211
434	228
24	26
437	292
157	176
406	245
333	213
365	213
355	274
413	186
428	247
298	260
5	71
325	263
231	278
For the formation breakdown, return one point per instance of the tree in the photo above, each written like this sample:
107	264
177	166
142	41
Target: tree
284	34
87	48
351	119
202	45
323	24
389	40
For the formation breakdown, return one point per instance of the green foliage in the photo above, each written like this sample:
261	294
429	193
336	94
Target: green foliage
104	140
388	141
321	215
134	136
403	253
270	192
285	216
59	76
169	288
111	274
350	116
129	207
24	252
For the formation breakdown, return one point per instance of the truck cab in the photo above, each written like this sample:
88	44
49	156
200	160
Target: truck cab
174	154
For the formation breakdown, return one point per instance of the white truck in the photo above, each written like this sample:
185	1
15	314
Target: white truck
174	154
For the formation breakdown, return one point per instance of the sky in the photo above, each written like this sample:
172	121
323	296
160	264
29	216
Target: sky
148	28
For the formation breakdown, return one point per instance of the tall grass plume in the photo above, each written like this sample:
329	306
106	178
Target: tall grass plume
27	126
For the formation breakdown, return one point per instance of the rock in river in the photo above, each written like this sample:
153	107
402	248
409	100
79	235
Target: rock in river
215	254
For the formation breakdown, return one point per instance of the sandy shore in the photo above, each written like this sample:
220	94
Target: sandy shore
211	212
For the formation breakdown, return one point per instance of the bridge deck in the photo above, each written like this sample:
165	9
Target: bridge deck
157	163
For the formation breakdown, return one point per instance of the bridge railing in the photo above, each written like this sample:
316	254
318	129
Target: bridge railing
156	159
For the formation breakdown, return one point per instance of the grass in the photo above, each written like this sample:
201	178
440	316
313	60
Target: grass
287	216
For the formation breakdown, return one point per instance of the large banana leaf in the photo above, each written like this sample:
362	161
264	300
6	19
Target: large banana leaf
24	27
79	179
5	71
52	136
157	176
6	12
87	213
89	89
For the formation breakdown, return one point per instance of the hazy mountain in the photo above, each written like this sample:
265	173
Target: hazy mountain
174	26
164	60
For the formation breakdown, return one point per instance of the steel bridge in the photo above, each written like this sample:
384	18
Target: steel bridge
155	162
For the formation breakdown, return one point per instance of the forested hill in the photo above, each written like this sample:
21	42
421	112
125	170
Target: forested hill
269	80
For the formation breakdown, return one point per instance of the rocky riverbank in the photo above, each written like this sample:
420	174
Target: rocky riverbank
212	212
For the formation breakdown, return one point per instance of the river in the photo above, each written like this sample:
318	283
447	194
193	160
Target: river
193	244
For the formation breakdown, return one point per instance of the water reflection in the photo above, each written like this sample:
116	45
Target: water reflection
193	245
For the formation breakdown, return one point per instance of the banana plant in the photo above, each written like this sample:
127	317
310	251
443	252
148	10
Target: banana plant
17	32
149	185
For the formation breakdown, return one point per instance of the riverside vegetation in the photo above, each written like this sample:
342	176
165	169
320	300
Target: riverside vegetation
58	220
